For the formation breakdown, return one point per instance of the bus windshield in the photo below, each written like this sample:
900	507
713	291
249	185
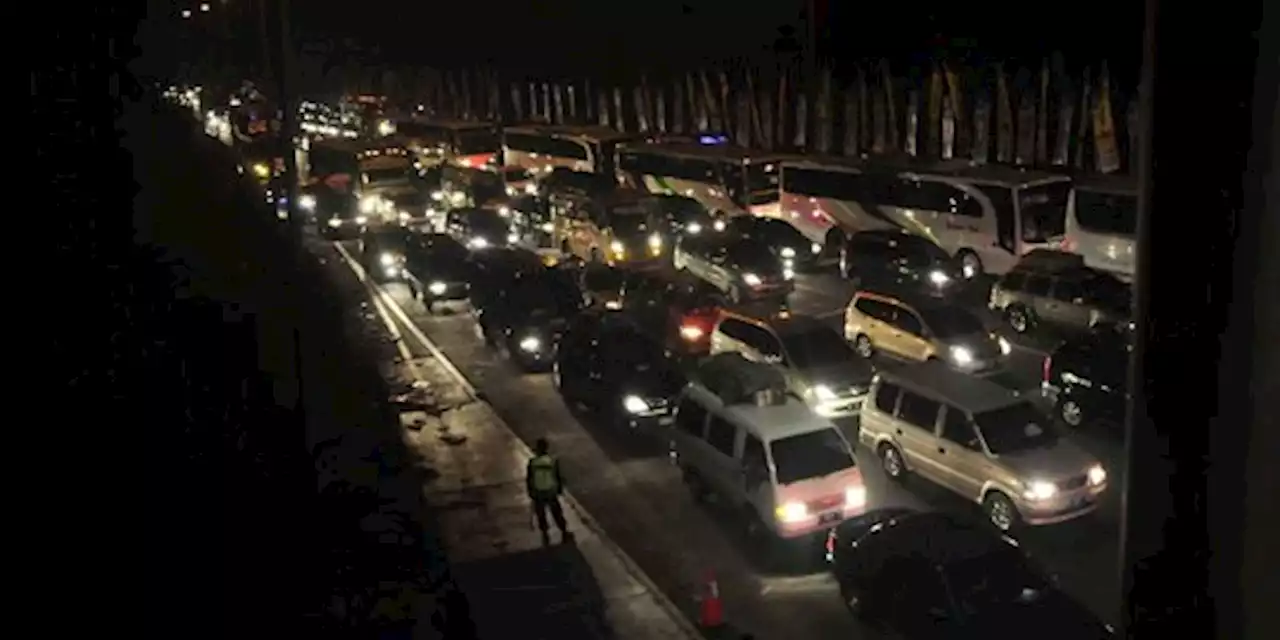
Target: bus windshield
1043	209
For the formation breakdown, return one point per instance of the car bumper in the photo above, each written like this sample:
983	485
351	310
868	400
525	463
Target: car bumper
840	407
1062	508
446	291
817	526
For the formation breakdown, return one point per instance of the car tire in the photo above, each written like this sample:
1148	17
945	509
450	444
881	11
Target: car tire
1071	413
1001	511
891	460
1019	318
970	263
862	346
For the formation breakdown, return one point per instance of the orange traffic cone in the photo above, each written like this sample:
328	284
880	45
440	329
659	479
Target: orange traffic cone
711	613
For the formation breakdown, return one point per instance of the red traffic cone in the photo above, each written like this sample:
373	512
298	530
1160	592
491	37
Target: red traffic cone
711	613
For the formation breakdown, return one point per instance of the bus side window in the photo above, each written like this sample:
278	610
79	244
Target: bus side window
968	206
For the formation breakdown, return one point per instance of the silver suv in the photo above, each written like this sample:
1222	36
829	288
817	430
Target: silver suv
981	441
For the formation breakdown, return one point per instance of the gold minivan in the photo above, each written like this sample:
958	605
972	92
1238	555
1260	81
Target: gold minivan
981	441
922	330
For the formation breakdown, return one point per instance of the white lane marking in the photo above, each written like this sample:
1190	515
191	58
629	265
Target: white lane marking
389	304
814	582
807	288
829	314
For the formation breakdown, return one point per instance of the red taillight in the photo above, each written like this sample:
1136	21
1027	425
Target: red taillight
1048	366
1068	244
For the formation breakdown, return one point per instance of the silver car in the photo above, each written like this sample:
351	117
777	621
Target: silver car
981	441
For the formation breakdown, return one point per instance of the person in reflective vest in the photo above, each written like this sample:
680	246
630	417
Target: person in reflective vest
544	484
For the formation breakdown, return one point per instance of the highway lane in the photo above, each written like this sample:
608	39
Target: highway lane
629	485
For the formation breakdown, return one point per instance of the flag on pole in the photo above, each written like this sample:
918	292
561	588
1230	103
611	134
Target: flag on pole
825	131
913	123
1024	151
1042	117
572	98
715	119
959	111
753	103
1066	113
851	142
642	121
933	139
619	120
558	97
602	109
678	105
660	98
727	108
1079	158
890	108
982	125
1106	153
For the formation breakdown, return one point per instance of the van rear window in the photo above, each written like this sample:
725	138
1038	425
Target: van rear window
810	455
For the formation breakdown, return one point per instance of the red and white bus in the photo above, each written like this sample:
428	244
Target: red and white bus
541	148
725	179
461	143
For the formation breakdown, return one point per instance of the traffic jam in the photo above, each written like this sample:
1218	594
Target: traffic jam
894	387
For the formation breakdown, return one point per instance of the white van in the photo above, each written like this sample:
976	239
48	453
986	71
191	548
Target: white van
741	437
1102	224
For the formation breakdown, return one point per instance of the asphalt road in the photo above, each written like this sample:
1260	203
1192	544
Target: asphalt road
629	485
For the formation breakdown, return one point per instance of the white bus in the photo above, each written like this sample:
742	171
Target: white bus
1102	223
727	180
541	148
986	216
463	143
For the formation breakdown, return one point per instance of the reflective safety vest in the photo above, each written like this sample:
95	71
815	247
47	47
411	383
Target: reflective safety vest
542	471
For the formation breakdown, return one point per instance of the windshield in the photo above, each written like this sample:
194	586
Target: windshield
683	210
545	294
777	231
1014	429
920	252
810	455
816	348
755	256
373	176
477	141
390	240
1112	213
1043	211
951	323
629	222
1000	577
516	174
485	220
762	177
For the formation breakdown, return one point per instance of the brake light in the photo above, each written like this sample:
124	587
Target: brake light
1068	244
1048	367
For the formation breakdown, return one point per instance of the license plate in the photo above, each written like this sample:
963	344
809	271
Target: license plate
828	518
667	421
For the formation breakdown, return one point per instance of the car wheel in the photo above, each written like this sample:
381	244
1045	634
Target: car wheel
971	263
1071	413
863	347
1019	319
891	459
1000	511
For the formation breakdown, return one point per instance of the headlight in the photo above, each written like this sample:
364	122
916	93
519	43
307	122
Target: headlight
962	355
635	404
788	273
404	216
815	248
361	220
511	191
1040	490
437	288
530	344
1097	475
792	512
504	211
478	243
788	263
368	204
1005	347
718	225
386	128
437	195
387	259
788	252
335	222
691	333
655	241
751	279
307	202
261	170
513	238
547	227
939	278
693	228
531	189
823	392
855	497
617	247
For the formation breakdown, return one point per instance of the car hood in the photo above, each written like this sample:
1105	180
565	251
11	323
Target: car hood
1053	616
841	376
1062	460
658	381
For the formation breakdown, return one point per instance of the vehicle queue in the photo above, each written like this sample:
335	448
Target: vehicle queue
664	311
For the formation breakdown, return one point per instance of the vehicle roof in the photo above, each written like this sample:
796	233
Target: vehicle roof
783	323
916	301
624	195
1114	184
711	152
938	538
597	132
773	422
865	163
447	123
1050	261
991	174
942	383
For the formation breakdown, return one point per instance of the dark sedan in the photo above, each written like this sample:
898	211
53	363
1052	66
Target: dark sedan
440	266
525	314
792	247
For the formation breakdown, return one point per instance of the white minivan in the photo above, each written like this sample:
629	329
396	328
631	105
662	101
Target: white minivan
1102	224
741	438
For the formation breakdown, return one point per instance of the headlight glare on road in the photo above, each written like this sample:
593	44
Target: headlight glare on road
635	404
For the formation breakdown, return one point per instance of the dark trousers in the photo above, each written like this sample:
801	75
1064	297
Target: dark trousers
544	503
